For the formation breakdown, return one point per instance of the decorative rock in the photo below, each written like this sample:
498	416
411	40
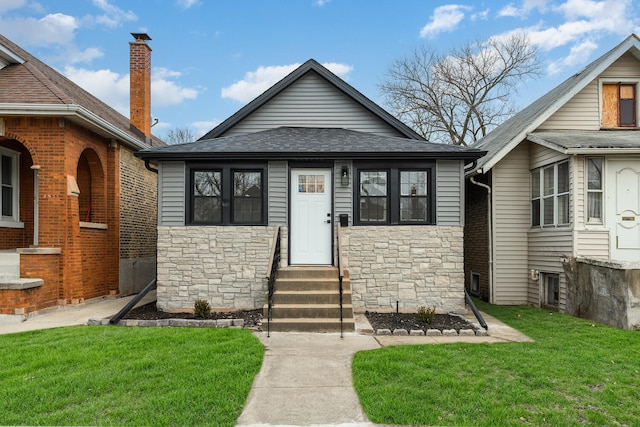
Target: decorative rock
383	332
94	322
449	332
162	322
238	323
467	333
178	322
128	322
224	323
147	323
417	333
482	333
400	332
434	333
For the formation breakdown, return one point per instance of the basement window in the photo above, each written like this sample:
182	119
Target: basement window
552	289
475	283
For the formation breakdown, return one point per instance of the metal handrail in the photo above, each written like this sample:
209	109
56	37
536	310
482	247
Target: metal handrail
340	278
475	310
119	315
272	273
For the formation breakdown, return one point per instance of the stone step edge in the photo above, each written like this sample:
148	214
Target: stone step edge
184	323
433	332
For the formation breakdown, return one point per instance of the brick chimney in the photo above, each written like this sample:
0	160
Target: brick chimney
140	83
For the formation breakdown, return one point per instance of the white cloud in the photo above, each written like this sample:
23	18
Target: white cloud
188	3
256	82
56	28
483	15
11	4
444	19
205	126
114	16
113	88
522	12
321	3
578	55
509	10
110	87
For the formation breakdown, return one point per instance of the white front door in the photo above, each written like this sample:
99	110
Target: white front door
623	209
311	217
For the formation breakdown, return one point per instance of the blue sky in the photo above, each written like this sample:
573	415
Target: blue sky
211	57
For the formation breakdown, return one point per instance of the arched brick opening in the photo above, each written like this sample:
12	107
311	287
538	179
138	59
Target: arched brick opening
91	182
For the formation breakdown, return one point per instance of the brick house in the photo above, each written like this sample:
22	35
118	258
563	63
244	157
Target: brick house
78	210
553	209
316	169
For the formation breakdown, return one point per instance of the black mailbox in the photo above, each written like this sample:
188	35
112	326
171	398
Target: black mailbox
344	220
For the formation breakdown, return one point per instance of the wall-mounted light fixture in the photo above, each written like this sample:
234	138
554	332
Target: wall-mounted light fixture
344	176
534	275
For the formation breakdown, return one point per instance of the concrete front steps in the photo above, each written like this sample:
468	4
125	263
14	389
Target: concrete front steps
307	299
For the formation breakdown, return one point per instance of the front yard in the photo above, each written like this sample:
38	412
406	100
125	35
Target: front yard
576	373
96	375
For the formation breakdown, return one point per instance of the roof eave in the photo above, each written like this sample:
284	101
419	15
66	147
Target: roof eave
73	111
466	156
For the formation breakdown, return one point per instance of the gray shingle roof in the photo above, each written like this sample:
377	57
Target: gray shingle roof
505	137
33	83
593	141
309	143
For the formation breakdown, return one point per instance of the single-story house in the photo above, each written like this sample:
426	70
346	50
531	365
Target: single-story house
553	209
308	160
78	210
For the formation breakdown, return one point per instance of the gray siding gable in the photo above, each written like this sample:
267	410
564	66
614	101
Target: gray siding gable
314	79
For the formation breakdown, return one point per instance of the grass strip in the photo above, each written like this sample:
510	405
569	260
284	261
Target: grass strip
576	373
108	376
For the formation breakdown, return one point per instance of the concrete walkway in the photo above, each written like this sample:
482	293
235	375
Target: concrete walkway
305	378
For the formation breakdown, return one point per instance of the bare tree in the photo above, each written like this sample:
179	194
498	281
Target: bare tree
458	97
180	136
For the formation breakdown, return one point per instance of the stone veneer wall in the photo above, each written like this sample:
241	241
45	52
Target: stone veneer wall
222	264
414	265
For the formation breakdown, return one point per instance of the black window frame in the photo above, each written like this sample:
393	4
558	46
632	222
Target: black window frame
227	170
394	190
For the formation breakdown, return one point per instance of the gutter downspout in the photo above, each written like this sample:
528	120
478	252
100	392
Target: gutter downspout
36	204
490	236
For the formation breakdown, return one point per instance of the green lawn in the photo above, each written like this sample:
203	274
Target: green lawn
577	373
97	375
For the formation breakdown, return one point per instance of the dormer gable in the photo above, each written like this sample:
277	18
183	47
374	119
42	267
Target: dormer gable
7	57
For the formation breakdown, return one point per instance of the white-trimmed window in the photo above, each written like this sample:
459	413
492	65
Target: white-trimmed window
550	195
594	190
9	186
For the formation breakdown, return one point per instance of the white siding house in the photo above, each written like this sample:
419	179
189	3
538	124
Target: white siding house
563	180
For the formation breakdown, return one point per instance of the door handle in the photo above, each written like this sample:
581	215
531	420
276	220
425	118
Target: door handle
328	221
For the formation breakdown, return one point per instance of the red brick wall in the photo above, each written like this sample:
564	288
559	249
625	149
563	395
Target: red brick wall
476	236
46	267
56	145
20	237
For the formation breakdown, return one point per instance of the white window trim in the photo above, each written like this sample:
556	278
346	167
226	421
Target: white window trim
587	221
553	196
610	80
13	221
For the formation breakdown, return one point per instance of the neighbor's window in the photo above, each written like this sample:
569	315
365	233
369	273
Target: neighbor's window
9	185
618	105
247	197
403	194
207	197
475	283
374	201
550	195
594	190
552	288
413	196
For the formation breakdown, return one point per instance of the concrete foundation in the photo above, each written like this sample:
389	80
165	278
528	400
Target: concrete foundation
606	292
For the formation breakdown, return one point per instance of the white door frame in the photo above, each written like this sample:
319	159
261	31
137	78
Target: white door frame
311	217
619	220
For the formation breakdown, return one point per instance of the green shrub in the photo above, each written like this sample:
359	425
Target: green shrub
202	309
426	314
